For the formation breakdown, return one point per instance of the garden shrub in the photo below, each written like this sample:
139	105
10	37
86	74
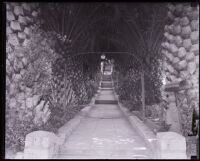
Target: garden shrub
44	77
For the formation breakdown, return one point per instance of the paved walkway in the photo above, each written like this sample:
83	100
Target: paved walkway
105	134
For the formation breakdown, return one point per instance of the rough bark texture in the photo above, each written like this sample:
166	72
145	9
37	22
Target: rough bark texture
182	57
43	86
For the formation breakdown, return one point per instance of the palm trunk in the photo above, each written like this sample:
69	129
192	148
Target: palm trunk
143	94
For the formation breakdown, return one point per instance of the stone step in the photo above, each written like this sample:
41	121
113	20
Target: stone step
106	79
114	153
106	101
106	85
107	82
108	68
111	89
106	89
106	76
100	157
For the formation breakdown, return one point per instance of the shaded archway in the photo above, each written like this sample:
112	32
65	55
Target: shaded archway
69	38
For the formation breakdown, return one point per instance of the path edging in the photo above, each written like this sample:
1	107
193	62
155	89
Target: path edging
148	136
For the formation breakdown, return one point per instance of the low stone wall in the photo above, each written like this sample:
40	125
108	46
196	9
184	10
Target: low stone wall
41	145
171	145
148	136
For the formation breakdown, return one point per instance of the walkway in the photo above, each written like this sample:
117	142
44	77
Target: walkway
105	133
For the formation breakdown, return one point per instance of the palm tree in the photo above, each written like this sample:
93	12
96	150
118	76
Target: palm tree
135	28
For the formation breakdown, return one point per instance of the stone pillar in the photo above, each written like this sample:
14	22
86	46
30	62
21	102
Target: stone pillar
41	145
181	51
171	145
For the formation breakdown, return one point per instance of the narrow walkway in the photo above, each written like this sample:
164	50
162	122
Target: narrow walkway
105	133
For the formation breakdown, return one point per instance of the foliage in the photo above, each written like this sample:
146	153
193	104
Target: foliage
38	55
60	117
129	82
41	73
142	37
18	124
91	86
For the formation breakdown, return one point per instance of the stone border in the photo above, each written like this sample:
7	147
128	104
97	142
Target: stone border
148	136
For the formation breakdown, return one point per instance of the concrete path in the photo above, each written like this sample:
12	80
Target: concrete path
105	134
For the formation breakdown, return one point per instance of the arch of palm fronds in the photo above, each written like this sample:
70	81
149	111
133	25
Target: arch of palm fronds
134	28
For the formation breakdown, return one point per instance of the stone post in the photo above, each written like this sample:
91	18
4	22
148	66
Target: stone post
41	145
171	145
